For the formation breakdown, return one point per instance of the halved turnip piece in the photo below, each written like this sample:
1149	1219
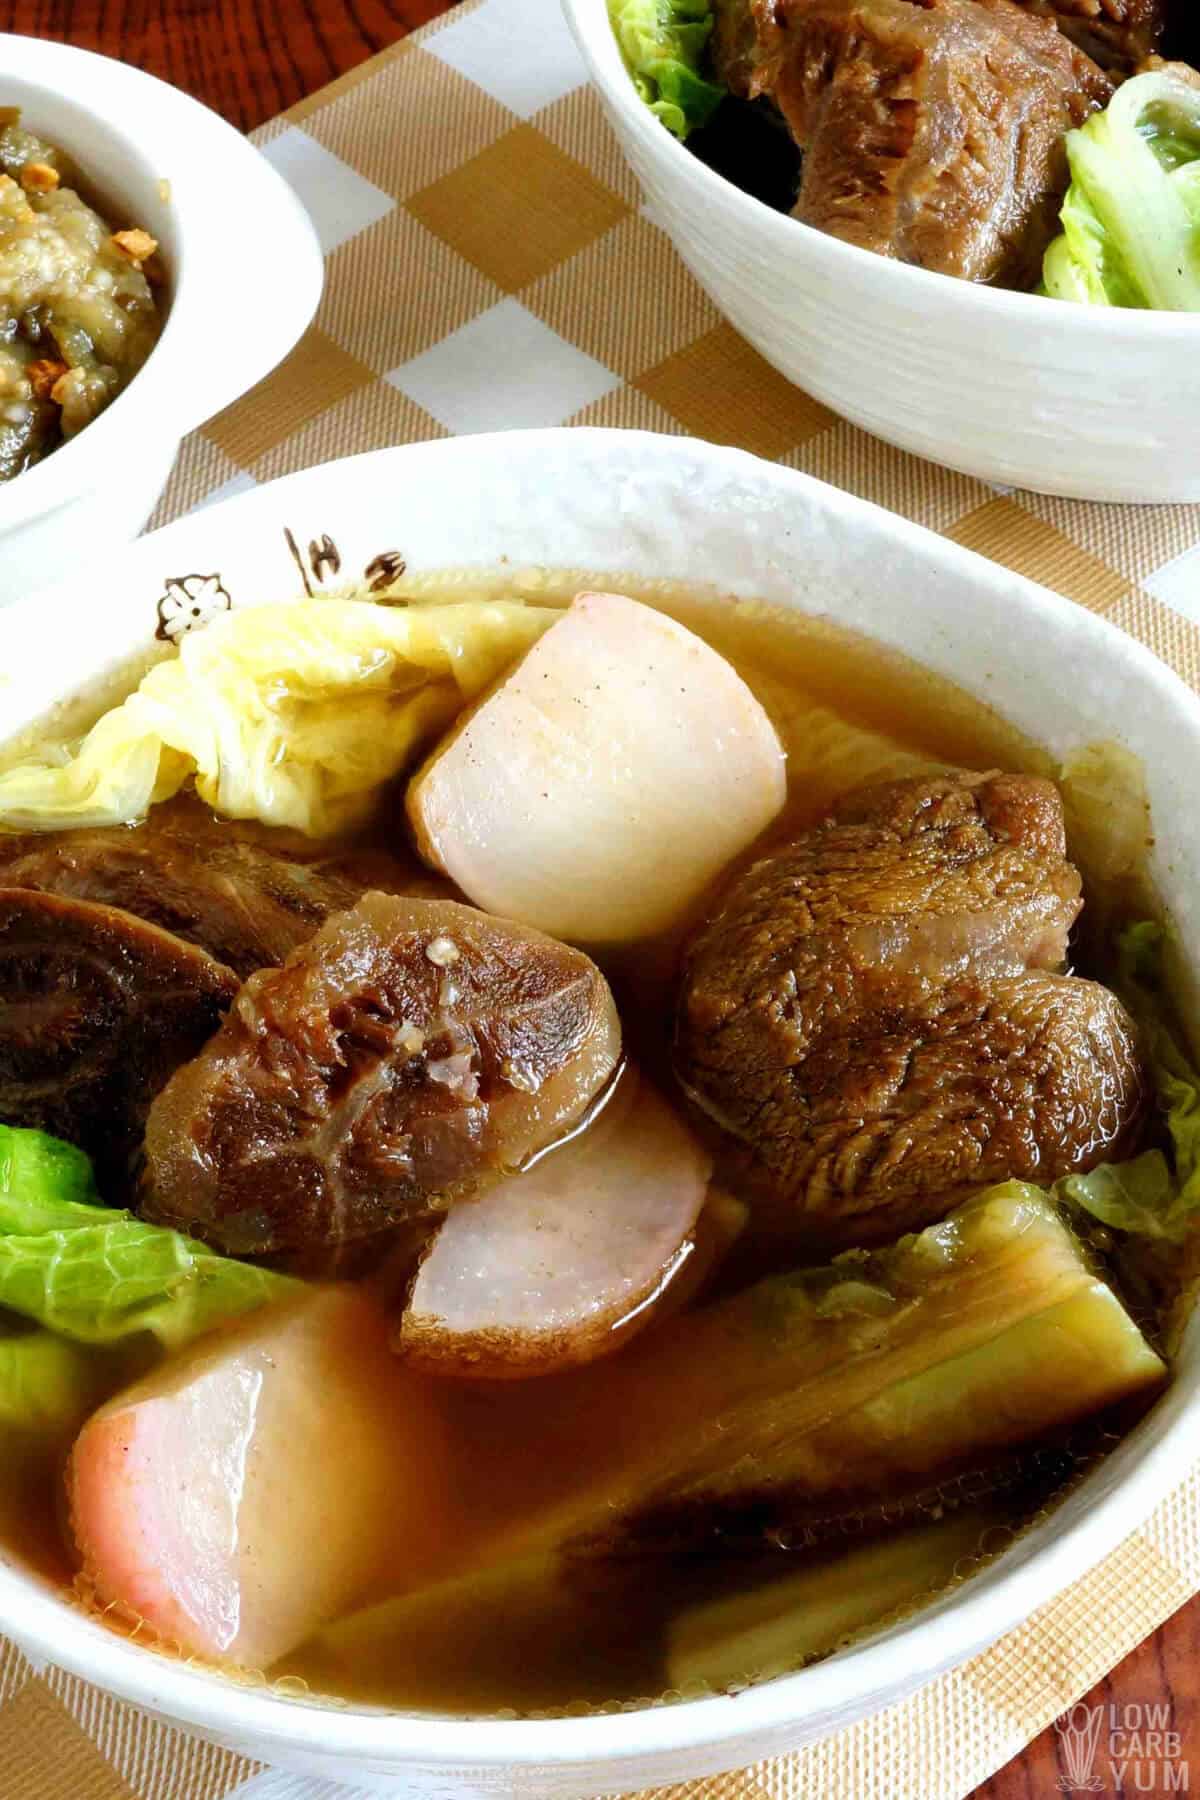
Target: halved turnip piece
560	1264
605	782
254	1488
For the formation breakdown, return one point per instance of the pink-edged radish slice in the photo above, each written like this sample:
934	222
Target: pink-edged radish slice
558	1265
256	1487
603	784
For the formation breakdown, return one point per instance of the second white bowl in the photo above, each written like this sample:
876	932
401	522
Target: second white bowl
1095	402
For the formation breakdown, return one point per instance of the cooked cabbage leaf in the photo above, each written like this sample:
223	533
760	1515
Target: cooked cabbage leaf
778	1626
47	1385
44	1183
663	43
1150	1196
1131	217
1107	811
95	1275
290	713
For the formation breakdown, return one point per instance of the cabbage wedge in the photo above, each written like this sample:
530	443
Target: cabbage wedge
290	713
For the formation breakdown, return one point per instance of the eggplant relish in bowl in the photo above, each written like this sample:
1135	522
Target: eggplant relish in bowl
78	313
1027	143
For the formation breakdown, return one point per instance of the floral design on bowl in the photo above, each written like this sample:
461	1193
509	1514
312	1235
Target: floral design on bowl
189	602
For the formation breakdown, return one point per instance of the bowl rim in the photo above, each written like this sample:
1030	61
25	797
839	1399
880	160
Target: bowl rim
945	1633
206	357
847	263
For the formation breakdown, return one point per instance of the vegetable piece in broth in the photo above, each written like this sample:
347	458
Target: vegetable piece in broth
1150	1196
558	1265
601	787
293	714
93	1275
787	1622
309	1459
47	1385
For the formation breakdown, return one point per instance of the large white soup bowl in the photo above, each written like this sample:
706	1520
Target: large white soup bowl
610	504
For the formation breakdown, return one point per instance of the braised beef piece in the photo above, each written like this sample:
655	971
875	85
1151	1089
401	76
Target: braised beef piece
931	132
1117	34
97	1009
874	1015
409	1052
246	896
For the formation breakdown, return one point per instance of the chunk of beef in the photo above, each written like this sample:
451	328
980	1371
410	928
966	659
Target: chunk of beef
1117	34
408	1053
97	1009
246	896
931	132
875	1017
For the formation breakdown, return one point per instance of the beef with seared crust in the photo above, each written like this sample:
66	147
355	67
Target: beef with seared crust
97	1009
1117	34
244	893
875	1018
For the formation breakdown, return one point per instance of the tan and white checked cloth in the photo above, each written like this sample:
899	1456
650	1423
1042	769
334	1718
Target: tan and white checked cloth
490	264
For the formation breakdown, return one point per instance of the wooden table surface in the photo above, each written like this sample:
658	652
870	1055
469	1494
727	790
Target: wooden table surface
252	58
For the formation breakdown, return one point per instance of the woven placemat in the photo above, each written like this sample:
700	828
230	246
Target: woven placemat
490	264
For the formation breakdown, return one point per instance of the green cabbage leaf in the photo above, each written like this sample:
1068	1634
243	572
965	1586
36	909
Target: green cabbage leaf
1131	217
89	1274
47	1385
1152	1195
663	44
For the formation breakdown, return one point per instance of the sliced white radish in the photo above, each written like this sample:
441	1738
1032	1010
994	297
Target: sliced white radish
255	1488
558	1265
604	784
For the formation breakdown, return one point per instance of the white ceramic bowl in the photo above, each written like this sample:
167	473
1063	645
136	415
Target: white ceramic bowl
244	272
612	503
1094	402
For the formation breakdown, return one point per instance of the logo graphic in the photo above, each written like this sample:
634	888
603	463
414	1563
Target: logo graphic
1079	1735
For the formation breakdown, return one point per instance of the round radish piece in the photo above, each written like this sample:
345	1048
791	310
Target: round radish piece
259	1485
557	1265
605	782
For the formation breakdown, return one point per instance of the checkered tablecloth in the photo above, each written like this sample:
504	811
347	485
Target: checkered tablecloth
490	264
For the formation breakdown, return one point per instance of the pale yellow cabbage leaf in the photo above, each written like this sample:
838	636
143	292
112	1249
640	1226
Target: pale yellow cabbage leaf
290	713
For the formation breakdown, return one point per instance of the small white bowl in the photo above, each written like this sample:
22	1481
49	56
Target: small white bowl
1096	402
244	277
611	503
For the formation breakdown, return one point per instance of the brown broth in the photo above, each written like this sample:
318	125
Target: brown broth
535	1639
